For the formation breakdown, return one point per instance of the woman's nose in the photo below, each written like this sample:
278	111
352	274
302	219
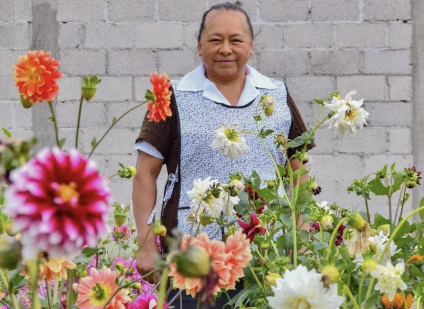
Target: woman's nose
225	48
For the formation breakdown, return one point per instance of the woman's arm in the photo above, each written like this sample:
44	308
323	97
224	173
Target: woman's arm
144	199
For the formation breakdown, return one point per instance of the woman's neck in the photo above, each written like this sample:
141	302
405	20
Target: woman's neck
230	87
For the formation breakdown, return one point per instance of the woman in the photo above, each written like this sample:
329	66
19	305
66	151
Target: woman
223	89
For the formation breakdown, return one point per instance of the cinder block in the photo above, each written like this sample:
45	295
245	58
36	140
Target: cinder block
283	63
159	35
308	35
8	91
390	114
121	190
366	141
69	135
284	10
387	9
370	88
388	61
253	60
361	35
7	59
376	162
141	85
114	89
131	120
92	115
22	133
100	161
14	36
71	35
335	62
23	11
182	10
6	12
187	61
400	35
400	141
23	116
269	36
308	88
191	31
81	10
7	110
131	10
117	141
400	88
306	111
83	62
70	88
131	62
109	35
324	141
335	10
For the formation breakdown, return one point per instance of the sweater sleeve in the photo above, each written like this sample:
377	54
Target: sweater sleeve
297	127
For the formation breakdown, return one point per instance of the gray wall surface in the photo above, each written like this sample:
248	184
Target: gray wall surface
315	46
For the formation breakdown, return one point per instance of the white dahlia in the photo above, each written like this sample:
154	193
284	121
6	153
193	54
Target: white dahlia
348	114
300	288
389	279
230	142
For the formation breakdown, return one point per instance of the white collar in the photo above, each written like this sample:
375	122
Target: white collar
197	81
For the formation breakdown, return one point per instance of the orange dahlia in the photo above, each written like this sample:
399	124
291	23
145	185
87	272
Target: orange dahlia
397	302
95	290
51	268
415	258
35	76
159	107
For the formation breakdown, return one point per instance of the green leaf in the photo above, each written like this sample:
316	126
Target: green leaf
380	220
62	142
372	301
403	201
241	296
89	252
397	181
377	187
404	241
299	173
257	117
243	207
319	101
282	170
287	221
268	194
417	271
16	281
6	132
256	180
114	120
93	142
305	138
264	133
405	228
421	213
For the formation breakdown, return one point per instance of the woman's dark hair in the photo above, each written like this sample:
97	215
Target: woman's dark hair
228	7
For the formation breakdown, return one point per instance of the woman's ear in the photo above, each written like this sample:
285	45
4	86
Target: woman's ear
199	49
252	46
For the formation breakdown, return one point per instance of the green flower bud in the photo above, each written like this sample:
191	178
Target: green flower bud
205	219
327	222
357	222
88	93
10	254
159	229
8	228
368	266
194	262
120	219
271	279
271	184
26	103
331	273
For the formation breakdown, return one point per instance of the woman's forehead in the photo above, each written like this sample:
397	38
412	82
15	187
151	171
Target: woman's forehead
226	20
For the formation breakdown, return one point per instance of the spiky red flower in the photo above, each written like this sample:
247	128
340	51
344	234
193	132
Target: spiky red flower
35	76
59	203
159	107
252	228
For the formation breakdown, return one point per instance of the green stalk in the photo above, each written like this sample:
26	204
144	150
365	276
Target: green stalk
113	124
256	279
11	295
419	302
368	211
49	294
162	288
56	130
70	288
78	121
55	291
349	293
61	286
360	288
333	235
294	237
403	203
383	253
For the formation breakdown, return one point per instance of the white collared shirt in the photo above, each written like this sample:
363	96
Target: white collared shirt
196	80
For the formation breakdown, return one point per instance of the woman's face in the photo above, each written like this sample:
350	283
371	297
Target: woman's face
225	44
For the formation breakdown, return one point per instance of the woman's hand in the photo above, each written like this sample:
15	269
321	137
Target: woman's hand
146	261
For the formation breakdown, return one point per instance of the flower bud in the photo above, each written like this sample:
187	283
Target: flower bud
267	100
205	219
8	228
137	286
327	222
237	183
264	245
10	254
373	249
271	184
357	222
348	234
120	219
271	279
368	266
88	93
159	229
132	170
26	103
385	228
268	111
331	272
194	262
88	88
373	232
132	228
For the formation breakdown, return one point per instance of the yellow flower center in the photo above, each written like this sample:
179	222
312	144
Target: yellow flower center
231	134
67	191
100	294
350	114
35	75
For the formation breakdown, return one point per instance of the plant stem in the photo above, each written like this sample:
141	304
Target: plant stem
419	302
55	290
78	121
360	288
113	124
25	299
162	288
333	235
383	253
6	284
70	286
61	286
198	303
175	297
56	130
349	293
49	292
256	279
403	204
294	223
368	211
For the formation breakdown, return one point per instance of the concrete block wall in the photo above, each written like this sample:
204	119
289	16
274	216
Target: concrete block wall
315	46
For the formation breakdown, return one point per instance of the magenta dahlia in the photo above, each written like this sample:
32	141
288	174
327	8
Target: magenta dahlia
59	203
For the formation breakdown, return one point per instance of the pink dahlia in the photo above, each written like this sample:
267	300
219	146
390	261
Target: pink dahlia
59	203
94	291
146	301
121	233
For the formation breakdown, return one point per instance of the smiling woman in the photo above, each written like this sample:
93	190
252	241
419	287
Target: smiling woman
222	92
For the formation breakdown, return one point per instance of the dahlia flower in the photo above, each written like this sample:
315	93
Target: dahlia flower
379	242
348	114
59	203
252	228
95	290
121	233
229	141
161	97
35	76
397	302
53	268
300	288
389	278
147	301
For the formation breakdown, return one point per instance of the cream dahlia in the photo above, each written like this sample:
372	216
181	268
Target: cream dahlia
300	288
95	290
59	203
389	278
348	114
230	142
